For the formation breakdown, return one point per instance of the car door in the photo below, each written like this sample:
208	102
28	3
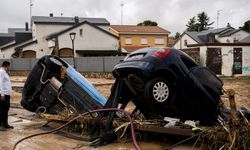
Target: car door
201	91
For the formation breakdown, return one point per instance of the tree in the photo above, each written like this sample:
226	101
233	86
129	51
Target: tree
177	35
147	23
203	21
246	26
192	25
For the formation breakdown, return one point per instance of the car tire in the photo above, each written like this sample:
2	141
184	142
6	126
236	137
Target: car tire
53	65
159	90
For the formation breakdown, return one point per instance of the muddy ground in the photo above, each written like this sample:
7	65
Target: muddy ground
25	127
241	85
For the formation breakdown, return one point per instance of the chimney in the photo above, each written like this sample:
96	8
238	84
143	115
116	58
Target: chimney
51	14
76	20
26	26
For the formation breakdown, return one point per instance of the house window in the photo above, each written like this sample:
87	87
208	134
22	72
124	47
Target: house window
185	42
80	32
128	40
144	41
159	40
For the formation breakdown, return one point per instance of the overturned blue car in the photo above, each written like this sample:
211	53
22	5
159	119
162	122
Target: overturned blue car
54	85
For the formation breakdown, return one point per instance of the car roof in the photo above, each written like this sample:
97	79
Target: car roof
150	50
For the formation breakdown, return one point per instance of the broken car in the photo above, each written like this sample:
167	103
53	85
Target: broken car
167	82
54	85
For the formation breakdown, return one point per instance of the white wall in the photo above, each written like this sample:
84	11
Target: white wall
91	39
6	53
246	60
203	56
42	32
236	36
180	44
227	59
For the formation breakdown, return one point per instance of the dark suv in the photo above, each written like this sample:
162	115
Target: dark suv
167	82
53	85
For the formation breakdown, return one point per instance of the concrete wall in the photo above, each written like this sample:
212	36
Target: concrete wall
83	64
227	59
246	61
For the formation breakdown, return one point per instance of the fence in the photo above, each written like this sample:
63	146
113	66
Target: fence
83	64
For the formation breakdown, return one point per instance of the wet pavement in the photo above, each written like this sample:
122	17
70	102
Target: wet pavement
25	123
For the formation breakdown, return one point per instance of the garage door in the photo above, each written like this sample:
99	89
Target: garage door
29	54
66	52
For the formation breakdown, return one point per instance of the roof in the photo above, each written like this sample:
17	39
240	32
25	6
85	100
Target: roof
67	20
245	40
194	36
12	31
219	44
139	29
230	32
202	37
26	43
131	49
6	35
77	25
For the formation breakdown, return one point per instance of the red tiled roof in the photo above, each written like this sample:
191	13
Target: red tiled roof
130	49
139	29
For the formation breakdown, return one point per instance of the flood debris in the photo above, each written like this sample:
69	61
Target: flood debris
160	82
232	131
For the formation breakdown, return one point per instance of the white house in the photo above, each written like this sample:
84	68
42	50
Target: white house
90	40
226	51
42	26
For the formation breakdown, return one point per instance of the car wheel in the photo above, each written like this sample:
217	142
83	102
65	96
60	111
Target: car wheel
159	90
53	64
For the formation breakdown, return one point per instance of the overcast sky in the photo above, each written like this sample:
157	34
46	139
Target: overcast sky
172	15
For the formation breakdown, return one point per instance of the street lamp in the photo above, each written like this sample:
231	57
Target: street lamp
72	37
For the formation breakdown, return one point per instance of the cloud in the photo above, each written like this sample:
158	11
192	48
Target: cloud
170	14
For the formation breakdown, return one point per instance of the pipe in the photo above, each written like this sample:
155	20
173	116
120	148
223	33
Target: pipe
84	114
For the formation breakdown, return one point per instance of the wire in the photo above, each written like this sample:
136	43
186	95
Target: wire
174	145
84	114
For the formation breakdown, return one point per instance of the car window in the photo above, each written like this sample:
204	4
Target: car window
188	62
135	56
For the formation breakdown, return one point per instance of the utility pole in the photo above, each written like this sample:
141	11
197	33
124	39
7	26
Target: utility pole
31	5
218	13
122	13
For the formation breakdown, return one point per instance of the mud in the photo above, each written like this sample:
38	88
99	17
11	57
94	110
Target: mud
242	89
25	124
